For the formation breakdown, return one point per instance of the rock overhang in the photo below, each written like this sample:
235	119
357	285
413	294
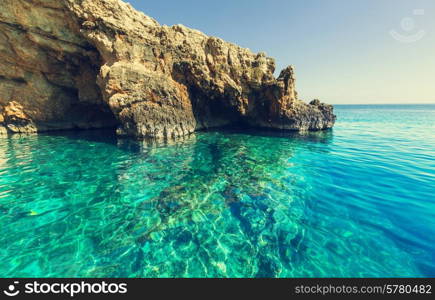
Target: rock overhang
151	80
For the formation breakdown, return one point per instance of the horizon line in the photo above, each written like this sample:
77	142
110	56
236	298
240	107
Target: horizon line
389	103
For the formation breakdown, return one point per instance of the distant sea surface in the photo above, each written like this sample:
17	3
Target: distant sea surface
358	200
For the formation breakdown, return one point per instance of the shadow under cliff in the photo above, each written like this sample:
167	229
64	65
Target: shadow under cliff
108	135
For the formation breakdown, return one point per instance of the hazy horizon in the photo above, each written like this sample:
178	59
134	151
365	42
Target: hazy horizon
344	52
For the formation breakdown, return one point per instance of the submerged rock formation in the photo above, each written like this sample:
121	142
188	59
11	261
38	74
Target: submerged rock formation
100	63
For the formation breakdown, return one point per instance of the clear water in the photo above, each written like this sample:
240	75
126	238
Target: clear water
355	201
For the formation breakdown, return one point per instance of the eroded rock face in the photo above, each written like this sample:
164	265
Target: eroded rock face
48	68
158	81
16	120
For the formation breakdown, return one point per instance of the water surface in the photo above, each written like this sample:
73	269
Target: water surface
354	201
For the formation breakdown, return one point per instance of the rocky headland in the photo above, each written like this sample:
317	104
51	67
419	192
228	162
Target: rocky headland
81	64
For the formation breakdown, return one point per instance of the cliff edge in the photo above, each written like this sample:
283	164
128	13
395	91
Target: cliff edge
99	63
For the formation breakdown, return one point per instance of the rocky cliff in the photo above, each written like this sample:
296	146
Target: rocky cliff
100	63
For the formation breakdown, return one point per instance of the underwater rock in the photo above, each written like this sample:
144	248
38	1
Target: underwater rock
100	63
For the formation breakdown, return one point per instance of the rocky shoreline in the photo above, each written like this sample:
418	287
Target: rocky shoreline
81	64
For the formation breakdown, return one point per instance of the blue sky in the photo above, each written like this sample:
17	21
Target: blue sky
343	51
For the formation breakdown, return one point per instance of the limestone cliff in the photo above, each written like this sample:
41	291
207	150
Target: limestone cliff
48	70
100	63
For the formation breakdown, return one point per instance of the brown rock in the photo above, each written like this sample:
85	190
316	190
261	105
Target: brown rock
16	119
315	102
70	61
49	66
3	130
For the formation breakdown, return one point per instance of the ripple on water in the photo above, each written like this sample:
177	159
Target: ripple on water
356	201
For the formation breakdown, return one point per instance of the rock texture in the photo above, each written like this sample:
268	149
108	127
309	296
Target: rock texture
48	71
96	63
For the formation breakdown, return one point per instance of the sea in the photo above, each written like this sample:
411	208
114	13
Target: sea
354	201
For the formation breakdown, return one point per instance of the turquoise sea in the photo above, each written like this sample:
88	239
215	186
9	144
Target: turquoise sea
358	200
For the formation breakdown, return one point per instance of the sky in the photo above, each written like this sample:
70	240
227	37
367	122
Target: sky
344	52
